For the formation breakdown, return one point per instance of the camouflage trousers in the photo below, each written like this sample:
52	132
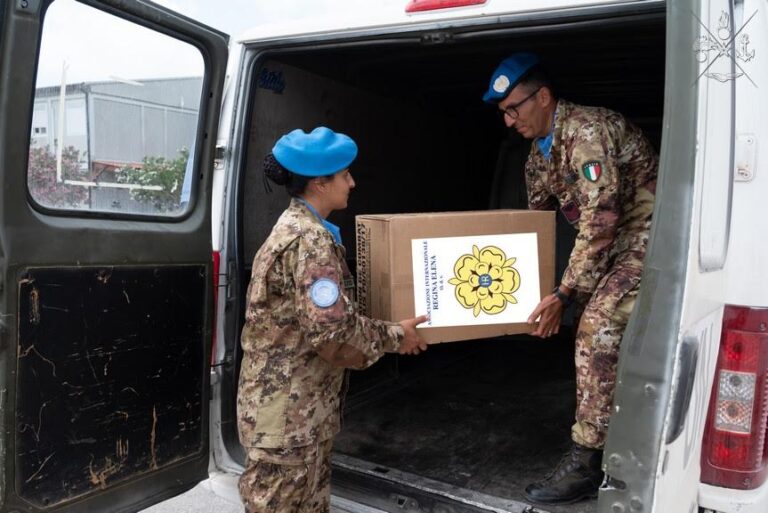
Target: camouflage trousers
604	318
288	480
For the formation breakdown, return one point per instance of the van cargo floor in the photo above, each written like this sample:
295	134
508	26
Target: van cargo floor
489	416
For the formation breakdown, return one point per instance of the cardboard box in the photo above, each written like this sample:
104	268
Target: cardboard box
459	260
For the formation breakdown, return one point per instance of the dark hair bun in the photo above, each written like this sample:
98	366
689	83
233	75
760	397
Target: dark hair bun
275	171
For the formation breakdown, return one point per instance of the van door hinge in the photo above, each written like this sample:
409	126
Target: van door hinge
436	38
225	362
745	157
219	156
230	275
405	503
28	6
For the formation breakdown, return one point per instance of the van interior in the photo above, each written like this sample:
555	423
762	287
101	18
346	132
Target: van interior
466	425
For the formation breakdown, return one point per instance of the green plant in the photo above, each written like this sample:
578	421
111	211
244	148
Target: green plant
157	171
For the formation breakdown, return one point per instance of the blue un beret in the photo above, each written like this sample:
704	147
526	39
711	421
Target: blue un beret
508	74
321	152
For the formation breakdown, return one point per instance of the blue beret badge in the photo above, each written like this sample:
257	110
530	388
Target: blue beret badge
501	84
324	293
508	74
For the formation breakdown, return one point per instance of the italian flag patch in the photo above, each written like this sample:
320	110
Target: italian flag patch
592	170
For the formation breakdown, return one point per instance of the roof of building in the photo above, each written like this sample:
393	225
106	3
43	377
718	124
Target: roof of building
181	92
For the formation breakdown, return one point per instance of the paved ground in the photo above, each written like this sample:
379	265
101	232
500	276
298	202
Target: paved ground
199	499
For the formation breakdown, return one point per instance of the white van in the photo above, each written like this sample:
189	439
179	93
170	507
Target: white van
119	334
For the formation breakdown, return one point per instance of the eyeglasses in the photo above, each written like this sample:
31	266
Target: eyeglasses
511	110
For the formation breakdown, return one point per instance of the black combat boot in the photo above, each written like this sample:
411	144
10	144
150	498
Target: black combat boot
576	477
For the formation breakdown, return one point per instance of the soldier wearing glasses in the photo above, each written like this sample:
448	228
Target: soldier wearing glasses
600	171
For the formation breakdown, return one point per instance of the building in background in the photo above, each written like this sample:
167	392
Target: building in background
117	124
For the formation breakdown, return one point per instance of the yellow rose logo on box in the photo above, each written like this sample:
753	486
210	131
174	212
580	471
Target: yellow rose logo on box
485	280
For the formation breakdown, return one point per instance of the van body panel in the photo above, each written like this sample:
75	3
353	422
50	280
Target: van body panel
391	18
710	280
724	500
633	453
679	468
224	453
743	279
747	281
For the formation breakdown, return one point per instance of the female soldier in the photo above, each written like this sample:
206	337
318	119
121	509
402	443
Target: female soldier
301	331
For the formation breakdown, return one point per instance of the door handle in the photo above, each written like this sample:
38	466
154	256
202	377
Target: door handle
688	358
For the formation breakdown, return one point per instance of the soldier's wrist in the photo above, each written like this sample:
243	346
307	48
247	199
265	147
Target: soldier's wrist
564	296
399	336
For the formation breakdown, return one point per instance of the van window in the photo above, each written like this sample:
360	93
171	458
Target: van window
115	116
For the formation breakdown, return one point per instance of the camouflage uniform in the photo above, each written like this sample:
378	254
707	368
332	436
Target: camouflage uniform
602	173
292	372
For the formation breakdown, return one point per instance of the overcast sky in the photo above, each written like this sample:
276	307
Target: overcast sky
98	46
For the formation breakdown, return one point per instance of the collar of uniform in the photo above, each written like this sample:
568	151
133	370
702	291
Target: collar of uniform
334	230
545	143
562	111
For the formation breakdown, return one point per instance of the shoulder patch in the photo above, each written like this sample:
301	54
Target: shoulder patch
571	211
592	170
324	293
571	178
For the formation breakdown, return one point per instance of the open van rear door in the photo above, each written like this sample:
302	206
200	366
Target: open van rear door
108	111
670	348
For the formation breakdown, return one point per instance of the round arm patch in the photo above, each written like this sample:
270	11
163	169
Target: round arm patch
324	292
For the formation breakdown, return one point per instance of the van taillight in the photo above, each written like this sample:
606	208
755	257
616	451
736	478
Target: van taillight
216	262
431	5
735	452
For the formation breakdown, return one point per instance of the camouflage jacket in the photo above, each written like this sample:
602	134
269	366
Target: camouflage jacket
301	331
602	175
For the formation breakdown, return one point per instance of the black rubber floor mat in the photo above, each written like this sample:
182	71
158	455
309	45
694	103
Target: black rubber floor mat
489	416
